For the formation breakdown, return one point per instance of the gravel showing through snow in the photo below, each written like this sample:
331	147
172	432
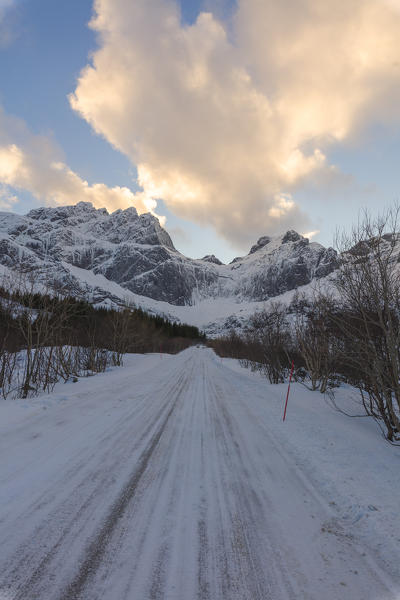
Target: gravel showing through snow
174	478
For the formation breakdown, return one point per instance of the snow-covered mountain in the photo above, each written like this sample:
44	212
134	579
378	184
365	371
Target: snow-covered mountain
124	256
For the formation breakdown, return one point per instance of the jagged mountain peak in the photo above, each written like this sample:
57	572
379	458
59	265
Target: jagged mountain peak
79	212
64	244
292	236
289	236
66	223
261	242
211	258
278	264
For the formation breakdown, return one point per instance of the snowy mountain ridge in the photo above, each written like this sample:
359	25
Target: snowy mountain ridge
122	256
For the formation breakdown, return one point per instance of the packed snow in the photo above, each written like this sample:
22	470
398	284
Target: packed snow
175	478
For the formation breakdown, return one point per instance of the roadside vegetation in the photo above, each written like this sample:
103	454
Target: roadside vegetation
349	336
47	338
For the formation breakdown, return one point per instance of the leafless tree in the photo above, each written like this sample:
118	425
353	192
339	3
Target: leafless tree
369	287
315	340
269	329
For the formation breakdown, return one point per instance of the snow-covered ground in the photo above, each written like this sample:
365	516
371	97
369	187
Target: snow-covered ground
175	478
215	316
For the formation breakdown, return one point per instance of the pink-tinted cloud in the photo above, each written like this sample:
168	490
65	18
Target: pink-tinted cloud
225	128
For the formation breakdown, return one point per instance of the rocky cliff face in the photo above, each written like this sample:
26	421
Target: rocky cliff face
277	265
131	250
138	254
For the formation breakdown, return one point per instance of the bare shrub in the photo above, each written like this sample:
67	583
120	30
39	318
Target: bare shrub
269	332
315	340
369	323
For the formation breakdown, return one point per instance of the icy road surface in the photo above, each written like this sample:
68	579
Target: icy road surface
166	480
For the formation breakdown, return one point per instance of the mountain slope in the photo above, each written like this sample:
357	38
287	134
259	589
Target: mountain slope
132	250
138	254
112	257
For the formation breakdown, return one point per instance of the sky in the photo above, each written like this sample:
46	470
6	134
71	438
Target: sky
227	119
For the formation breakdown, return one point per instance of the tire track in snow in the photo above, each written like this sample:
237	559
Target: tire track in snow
212	509
98	547
286	573
244	574
39	576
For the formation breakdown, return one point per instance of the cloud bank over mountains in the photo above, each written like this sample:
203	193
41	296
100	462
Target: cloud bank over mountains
225	125
35	163
224	121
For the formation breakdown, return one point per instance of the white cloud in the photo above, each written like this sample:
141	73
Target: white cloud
393	4
310	234
34	163
225	128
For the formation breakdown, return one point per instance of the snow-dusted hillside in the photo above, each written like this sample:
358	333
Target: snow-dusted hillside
131	250
120	257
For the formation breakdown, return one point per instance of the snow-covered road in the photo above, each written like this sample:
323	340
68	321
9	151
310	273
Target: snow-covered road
166	479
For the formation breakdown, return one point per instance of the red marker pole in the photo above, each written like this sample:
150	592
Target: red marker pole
288	390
